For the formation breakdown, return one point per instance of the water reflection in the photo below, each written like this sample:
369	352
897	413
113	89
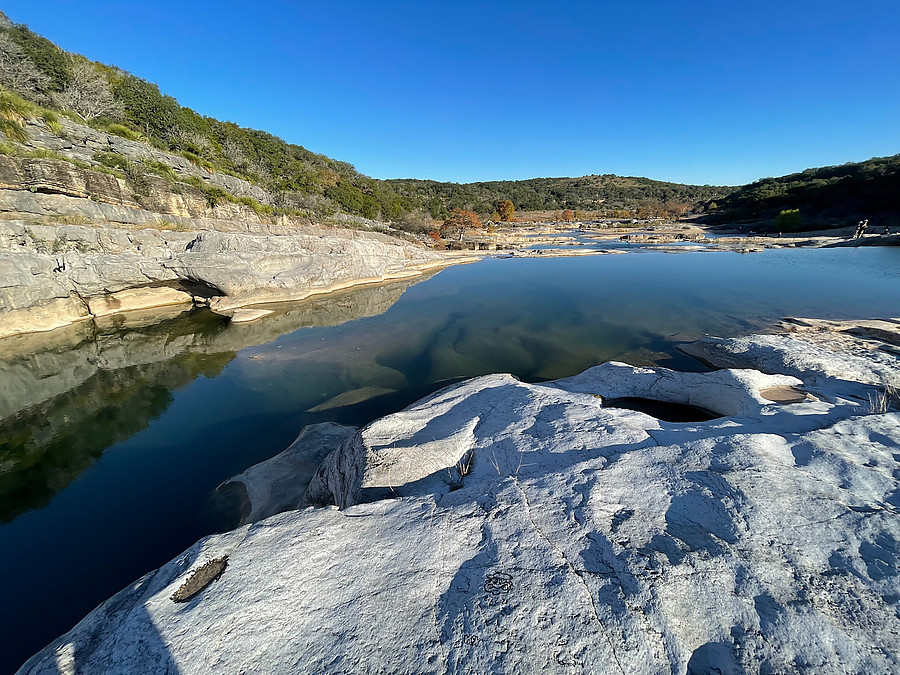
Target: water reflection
67	395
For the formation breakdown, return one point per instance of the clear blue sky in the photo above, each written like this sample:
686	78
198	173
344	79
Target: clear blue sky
693	91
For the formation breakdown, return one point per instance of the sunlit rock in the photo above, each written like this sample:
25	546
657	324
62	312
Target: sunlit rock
500	526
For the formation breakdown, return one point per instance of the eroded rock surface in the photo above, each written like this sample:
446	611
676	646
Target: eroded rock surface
820	352
499	526
56	276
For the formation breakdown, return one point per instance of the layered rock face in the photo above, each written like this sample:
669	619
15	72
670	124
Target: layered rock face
79	244
499	526
41	188
82	143
56	275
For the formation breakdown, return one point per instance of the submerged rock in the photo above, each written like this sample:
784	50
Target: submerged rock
499	526
248	315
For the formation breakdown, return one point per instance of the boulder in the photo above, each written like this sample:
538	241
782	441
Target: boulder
278	484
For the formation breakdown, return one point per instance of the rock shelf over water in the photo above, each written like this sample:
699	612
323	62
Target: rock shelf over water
58	275
499	526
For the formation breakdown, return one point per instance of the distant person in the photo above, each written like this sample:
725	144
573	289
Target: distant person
858	231
886	231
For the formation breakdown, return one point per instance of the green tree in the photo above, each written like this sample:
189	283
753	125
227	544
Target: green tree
146	107
788	220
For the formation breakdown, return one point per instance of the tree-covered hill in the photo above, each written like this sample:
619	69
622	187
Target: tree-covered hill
110	99
831	194
605	193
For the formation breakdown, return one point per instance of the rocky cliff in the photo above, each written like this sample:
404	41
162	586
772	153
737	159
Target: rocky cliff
56	275
499	526
80	240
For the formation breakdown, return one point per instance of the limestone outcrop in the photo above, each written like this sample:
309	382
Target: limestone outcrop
855	353
81	143
80	240
500	526
57	188
53	276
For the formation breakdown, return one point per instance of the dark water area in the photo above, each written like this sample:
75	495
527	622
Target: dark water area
662	410
112	443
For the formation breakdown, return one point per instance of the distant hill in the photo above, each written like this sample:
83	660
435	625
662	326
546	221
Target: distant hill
607	193
829	195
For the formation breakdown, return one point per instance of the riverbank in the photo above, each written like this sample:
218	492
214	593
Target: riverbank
541	526
58	275
593	238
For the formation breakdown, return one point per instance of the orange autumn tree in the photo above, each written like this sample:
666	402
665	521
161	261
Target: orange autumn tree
458	222
506	210
568	216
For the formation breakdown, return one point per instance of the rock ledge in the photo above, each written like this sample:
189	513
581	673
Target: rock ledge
499	526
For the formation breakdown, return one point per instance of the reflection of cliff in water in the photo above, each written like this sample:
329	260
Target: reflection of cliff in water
67	395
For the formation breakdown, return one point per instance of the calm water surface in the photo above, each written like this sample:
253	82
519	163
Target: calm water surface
111	444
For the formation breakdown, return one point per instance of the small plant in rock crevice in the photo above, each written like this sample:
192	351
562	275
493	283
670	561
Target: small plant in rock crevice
461	469
883	400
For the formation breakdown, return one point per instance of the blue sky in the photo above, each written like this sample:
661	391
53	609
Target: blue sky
691	91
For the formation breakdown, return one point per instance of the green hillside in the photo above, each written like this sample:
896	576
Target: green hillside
607	193
37	78
836	195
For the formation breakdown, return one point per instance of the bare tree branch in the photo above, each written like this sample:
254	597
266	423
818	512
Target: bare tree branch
89	94
18	72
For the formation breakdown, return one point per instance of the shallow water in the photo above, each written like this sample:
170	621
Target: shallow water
110	445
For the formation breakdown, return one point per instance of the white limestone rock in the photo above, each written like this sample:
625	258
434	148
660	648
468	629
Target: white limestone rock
51	274
132	299
278	484
847	358
499	526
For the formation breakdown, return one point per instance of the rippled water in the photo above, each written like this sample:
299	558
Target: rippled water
111	443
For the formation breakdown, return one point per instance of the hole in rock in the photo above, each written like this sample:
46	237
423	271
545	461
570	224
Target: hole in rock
662	410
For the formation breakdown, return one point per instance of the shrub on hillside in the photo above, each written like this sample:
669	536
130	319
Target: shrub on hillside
49	59
18	72
788	220
88	93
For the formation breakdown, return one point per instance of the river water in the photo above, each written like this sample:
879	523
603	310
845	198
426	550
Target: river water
113	441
